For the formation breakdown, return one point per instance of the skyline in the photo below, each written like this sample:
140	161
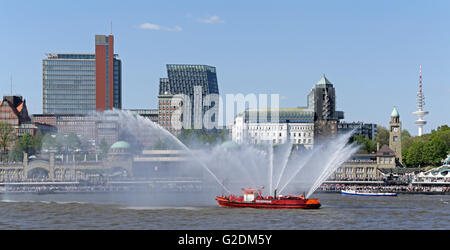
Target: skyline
371	52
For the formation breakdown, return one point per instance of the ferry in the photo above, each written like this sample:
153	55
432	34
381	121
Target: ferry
253	198
366	193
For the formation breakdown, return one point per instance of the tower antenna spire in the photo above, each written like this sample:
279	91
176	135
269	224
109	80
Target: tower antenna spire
420	113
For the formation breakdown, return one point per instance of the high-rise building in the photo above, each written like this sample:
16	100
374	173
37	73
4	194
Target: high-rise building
194	89
395	135
322	99
83	83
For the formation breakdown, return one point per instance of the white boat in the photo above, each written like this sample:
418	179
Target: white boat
366	193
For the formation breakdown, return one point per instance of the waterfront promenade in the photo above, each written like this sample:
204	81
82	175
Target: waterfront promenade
43	186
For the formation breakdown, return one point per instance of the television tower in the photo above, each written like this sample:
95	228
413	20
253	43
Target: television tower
420	113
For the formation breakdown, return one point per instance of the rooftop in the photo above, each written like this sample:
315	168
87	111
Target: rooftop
324	82
395	113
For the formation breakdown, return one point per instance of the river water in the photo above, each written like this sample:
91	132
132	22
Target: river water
199	211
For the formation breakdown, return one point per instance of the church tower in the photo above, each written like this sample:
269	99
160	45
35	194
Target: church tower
395	135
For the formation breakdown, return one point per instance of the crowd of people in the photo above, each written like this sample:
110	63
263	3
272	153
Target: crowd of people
388	188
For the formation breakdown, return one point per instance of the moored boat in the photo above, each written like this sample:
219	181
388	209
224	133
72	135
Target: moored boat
366	193
253	199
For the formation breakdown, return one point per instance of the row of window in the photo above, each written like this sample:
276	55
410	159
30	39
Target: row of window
70	67
69	72
69	87
69	92
357	169
273	127
69	77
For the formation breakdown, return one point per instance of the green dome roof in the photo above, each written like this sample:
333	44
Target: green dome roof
395	113
121	144
229	144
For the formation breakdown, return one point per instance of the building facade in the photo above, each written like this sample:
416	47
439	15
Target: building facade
366	166
83	83
322	99
186	95
92	129
275	126
372	166
368	130
13	111
151	114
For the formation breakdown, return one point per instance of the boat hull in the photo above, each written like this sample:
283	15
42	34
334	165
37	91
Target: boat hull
271	203
367	194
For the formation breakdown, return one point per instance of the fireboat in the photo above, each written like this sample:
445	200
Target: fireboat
253	198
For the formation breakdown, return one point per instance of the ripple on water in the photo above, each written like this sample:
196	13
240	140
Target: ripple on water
408	212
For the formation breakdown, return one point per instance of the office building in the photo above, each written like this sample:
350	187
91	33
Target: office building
194	90
322	99
83	83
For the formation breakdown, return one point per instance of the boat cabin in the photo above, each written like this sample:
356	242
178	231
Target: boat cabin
249	194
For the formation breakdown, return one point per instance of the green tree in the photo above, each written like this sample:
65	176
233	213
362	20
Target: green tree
428	149
73	142
434	151
367	145
16	154
48	142
37	142
6	137
383	136
414	155
104	147
26	143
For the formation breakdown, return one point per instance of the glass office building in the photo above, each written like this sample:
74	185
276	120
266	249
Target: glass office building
82	83
183	78
194	81
69	84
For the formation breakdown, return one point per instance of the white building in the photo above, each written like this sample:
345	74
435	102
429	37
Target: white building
275	126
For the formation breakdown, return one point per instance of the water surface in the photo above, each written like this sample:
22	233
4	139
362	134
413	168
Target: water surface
199	211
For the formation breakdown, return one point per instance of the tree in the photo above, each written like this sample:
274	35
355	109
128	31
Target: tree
428	149
367	145
16	154
414	155
37	142
103	145
26	143
73	142
383	136
434	151
48	142
6	136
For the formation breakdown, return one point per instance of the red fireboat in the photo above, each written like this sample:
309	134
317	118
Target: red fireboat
254	199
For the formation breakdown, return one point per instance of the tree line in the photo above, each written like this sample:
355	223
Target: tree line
417	151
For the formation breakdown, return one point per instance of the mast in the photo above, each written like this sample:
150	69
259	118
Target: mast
420	113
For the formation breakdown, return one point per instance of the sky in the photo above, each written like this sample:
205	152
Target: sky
370	50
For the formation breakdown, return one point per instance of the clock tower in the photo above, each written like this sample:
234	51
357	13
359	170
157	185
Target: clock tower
395	135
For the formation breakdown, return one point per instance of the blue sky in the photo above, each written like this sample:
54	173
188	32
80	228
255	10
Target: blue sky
369	50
